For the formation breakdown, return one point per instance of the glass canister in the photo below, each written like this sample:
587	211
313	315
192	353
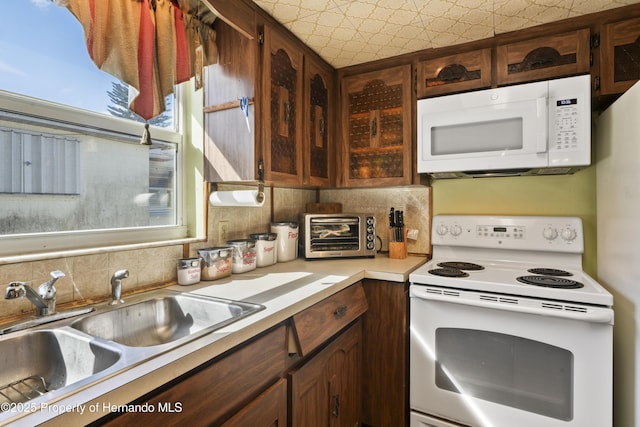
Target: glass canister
266	253
287	240
244	255
188	271
216	262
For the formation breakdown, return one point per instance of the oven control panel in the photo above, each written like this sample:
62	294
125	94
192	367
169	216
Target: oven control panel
500	232
562	234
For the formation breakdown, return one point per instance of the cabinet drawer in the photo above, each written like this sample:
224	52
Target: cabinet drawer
319	322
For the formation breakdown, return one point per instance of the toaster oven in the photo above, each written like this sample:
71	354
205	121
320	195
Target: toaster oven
341	235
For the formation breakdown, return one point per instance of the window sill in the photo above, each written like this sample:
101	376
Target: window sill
97	249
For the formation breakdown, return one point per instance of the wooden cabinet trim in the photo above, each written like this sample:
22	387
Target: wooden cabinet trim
237	13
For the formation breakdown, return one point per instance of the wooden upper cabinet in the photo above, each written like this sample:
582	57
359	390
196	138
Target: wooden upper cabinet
454	73
619	56
282	109
229	145
544	58
376	128
318	126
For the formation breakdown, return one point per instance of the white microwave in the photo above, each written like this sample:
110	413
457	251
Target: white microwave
534	128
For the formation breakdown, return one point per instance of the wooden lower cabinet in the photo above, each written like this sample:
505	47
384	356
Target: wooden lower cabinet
385	370
325	391
263	384
211	394
267	410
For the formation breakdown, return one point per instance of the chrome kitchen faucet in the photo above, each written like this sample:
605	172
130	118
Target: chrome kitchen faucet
44	299
116	286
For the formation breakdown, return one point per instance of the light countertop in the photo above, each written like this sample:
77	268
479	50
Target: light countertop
284	289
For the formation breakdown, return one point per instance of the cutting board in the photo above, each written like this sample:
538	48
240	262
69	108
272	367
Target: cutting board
324	208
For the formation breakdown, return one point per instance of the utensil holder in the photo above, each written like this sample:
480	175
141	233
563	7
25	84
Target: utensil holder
398	250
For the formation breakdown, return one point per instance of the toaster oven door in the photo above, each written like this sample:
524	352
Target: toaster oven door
334	234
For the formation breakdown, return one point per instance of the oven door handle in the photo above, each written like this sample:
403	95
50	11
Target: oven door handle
593	315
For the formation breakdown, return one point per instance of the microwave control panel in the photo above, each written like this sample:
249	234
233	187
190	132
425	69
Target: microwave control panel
570	121
567	121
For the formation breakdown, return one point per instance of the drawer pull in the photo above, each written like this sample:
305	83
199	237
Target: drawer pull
340	311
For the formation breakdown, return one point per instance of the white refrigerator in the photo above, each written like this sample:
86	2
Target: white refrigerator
617	147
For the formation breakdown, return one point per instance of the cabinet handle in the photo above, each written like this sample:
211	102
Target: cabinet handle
374	127
340	311
287	112
335	411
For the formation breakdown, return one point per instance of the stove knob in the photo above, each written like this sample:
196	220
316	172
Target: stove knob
442	229
569	234
550	233
456	230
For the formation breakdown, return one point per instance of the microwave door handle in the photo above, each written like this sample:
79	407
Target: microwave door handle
597	315
542	111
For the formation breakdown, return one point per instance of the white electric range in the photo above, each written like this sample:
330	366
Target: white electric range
506	327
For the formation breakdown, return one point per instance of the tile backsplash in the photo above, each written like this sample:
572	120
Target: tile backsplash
414	201
87	277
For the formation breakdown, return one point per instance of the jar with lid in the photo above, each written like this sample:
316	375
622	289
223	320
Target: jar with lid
216	262
244	255
266	253
287	240
188	271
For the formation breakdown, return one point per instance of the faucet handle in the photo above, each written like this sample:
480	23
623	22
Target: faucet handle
56	274
46	290
15	290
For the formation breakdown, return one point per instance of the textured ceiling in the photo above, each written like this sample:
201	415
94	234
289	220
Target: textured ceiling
347	32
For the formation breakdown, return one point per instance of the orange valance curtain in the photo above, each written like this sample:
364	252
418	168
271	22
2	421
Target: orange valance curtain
151	45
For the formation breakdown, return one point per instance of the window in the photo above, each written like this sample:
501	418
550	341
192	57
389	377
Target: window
38	163
72	171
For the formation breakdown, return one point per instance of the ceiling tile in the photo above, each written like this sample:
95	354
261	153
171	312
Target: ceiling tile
513	15
290	10
346	32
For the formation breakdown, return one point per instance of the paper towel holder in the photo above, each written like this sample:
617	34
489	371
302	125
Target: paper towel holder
236	197
229	195
260	195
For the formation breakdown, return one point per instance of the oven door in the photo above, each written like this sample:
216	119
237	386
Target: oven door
495	364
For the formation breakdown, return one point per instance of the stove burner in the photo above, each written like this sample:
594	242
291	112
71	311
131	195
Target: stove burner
550	282
448	272
459	265
549	272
